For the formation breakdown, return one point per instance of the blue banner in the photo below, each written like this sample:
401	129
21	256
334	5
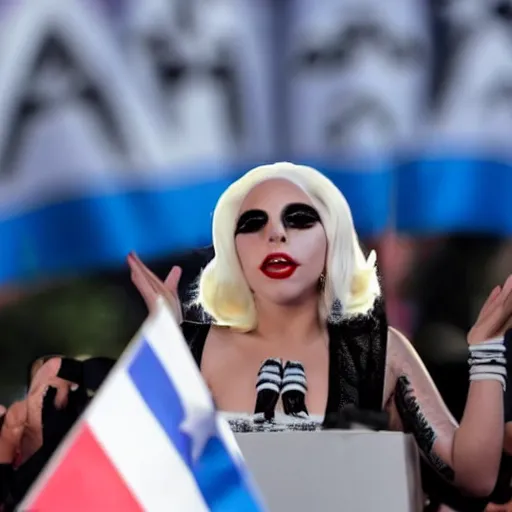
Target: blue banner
121	121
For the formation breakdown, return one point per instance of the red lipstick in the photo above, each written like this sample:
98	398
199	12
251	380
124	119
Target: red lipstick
279	265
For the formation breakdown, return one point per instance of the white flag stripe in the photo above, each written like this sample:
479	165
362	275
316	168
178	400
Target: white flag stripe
166	339
149	464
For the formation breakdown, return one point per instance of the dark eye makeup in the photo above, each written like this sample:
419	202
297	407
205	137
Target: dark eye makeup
294	216
251	221
299	216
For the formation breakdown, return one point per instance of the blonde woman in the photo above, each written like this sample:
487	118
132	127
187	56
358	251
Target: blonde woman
289	290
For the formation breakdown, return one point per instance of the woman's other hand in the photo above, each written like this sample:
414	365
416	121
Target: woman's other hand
151	287
495	317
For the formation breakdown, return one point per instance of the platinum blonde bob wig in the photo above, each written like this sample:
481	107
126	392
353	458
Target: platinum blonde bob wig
351	284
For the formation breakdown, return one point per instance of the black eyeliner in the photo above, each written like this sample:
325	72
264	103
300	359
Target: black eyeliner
299	216
251	221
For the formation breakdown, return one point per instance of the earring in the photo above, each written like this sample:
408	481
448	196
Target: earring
321	281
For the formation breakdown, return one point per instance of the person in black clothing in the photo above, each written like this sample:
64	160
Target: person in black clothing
348	340
59	390
16	479
70	382
264	215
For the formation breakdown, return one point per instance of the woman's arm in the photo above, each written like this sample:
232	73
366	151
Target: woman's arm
467	455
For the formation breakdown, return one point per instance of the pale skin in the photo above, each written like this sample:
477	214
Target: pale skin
22	432
467	455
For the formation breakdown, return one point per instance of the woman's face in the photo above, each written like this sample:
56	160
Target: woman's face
281	243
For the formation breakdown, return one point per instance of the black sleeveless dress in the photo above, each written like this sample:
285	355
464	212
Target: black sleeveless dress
357	360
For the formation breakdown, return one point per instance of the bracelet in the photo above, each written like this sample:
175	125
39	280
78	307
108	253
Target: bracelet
487	361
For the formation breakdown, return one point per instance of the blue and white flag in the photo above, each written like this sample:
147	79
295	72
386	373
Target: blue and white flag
151	440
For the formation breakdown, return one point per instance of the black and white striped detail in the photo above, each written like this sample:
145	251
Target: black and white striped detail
270	376
294	389
268	388
487	361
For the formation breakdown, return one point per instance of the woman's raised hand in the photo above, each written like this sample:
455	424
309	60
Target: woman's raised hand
151	287
495	317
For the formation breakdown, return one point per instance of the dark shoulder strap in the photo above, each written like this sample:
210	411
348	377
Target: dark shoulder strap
195	334
373	385
357	349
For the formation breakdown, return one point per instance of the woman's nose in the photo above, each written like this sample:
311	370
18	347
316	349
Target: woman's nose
276	235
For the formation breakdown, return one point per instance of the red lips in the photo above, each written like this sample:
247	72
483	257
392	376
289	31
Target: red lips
279	265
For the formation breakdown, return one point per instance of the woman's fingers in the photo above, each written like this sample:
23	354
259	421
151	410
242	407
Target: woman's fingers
506	311
498	298
489	302
495	315
160	288
144	276
507	287
141	281
137	260
169	291
173	279
145	289
144	270
492	324
136	266
151	287
156	283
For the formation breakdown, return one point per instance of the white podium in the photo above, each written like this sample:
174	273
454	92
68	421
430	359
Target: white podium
335	471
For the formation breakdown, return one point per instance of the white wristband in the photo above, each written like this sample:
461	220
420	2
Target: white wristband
487	361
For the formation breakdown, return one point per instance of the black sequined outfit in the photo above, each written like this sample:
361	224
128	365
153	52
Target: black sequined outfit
357	360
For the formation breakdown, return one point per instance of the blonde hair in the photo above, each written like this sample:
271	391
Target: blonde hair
351	284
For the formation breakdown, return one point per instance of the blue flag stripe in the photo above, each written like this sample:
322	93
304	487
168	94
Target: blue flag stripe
222	483
220	480
159	393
